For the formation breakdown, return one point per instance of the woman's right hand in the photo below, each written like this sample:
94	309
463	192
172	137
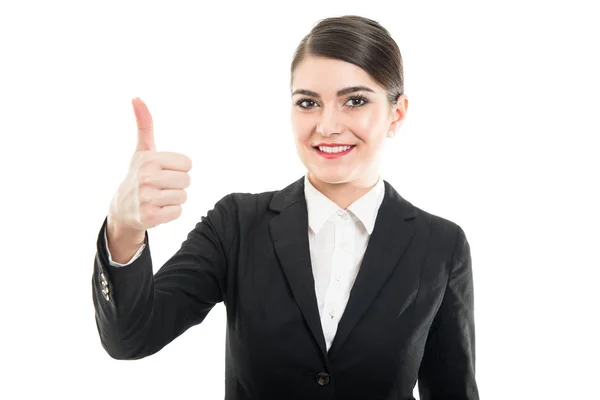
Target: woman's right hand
153	190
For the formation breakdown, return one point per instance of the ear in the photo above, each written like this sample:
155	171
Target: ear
399	113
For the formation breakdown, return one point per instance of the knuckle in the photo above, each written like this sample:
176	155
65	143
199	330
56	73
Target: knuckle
148	213
148	158
144	197
145	212
145	178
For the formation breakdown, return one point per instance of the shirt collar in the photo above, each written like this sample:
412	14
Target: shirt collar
320	208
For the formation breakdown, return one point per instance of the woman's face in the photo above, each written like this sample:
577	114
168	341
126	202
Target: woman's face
335	103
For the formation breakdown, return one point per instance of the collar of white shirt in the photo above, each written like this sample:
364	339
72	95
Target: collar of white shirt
320	208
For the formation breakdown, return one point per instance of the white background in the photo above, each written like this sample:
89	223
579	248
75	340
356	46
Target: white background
500	137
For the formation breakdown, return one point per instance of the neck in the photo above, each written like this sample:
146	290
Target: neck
345	193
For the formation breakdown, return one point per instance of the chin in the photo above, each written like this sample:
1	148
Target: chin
331	177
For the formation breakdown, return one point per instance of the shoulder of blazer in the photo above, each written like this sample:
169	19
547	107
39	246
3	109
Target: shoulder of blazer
445	235
246	203
439	222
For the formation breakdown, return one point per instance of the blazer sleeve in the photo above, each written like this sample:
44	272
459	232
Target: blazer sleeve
138	313
447	369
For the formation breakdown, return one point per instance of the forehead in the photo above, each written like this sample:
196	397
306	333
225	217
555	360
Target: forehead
328	75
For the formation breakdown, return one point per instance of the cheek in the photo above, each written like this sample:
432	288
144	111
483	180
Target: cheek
366	125
302	127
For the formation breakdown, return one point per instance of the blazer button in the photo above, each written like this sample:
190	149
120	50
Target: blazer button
323	378
105	287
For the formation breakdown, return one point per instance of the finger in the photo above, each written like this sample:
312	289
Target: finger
168	213
166	179
171	197
145	138
173	161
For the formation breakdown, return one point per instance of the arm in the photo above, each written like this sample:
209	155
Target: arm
144	312
448	366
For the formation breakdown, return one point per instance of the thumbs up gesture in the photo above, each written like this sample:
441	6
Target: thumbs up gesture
153	189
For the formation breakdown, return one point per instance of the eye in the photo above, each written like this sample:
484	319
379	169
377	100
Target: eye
300	103
357	99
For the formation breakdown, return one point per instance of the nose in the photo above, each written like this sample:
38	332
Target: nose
329	122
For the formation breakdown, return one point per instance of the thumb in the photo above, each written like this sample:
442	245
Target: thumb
145	138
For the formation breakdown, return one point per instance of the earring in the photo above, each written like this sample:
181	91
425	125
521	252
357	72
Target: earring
391	133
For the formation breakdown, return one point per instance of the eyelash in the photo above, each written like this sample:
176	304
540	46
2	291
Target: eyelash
364	100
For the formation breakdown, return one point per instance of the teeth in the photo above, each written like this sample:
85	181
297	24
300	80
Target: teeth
338	149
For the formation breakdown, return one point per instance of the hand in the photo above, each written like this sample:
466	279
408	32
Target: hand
153	190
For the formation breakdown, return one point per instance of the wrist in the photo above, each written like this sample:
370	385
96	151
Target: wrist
124	235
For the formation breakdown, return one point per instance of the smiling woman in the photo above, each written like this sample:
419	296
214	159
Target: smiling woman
347	96
336	287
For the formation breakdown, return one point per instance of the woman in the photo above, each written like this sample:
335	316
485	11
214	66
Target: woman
335	287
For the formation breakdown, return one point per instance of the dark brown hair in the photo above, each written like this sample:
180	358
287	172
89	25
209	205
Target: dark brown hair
360	41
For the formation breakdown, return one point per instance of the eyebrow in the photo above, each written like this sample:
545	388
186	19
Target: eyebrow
342	92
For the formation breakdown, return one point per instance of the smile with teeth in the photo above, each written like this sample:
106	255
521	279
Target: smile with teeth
337	149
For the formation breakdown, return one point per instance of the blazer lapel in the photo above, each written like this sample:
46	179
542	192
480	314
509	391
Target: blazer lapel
389	239
387	244
289	232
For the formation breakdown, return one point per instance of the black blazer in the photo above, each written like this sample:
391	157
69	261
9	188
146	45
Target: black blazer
409	316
